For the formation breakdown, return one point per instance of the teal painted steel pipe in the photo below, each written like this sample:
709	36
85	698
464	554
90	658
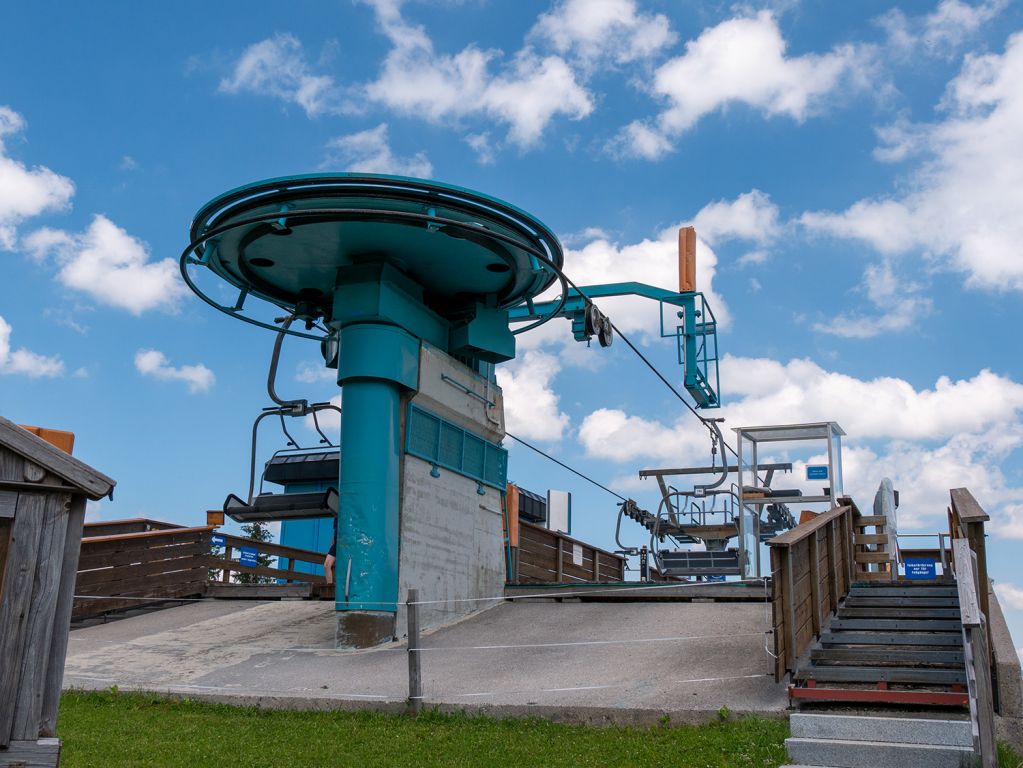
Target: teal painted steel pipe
377	364
367	562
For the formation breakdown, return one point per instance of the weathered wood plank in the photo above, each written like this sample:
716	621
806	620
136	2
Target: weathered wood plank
43	753
97	607
90	562
276	550
62	618
312	578
8	501
39	629
5	542
158	538
95	484
967	508
800	532
109	578
15	602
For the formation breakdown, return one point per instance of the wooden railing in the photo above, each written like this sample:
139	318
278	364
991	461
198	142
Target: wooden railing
976	652
116	571
227	564
132	525
966	521
812	567
549	557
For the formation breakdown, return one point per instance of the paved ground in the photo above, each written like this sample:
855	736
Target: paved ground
623	662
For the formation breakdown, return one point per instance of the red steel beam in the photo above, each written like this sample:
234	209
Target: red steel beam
879	696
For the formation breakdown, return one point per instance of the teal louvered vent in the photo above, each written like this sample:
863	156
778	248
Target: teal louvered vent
442	443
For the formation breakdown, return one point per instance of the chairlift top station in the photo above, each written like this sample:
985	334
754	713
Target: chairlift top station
413	288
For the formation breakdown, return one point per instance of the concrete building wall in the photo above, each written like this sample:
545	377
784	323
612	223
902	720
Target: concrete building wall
451	543
451	537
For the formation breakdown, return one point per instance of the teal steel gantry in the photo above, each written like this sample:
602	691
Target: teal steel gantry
374	266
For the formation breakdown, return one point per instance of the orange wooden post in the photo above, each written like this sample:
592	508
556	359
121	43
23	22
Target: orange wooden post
686	260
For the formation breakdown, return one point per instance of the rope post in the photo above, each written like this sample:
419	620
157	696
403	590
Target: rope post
415	671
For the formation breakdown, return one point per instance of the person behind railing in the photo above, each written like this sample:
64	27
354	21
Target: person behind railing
331	558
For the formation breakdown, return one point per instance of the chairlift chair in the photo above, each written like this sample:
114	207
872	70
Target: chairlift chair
295	467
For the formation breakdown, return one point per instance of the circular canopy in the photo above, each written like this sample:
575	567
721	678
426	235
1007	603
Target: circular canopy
285	239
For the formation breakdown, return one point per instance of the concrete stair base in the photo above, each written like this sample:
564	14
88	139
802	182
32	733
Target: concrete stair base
844	741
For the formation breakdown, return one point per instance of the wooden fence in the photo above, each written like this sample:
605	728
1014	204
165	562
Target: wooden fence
812	567
123	561
146	561
549	557
227	565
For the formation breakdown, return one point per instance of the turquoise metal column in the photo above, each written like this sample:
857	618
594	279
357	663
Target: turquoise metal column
379	361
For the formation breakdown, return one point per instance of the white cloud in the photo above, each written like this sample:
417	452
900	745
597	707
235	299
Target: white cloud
110	265
23	361
961	208
329	420
800	391
743	61
599	259
25	192
370	151
277	67
752	258
1010	595
603	29
314	373
152	362
637	139
481	144
527	92
929	440
940	32
751	216
530	404
896	305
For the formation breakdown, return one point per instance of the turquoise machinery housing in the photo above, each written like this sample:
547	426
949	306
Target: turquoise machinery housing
410	287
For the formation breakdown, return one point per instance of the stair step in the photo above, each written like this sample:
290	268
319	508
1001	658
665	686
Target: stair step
877	754
869	656
879	577
900	625
889	591
907	601
846	612
941	582
866	520
951	639
867	674
899	730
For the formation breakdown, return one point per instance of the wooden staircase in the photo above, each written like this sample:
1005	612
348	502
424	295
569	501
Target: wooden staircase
888	644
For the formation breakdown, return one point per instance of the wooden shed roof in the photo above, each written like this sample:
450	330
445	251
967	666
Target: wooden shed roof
92	483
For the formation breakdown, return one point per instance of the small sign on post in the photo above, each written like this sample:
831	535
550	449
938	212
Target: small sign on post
217	540
816	471
917	568
248	557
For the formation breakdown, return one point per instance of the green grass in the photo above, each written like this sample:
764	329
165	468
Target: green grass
112	729
1009	757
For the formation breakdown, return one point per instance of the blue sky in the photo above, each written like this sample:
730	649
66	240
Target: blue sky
854	171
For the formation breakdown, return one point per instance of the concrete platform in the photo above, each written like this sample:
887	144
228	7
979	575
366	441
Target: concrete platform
616	662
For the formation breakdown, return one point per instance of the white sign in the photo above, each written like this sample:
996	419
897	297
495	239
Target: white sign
559	511
577	554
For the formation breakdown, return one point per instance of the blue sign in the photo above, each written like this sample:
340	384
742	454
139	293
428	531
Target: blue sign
715	579
248	557
816	471
920	569
217	540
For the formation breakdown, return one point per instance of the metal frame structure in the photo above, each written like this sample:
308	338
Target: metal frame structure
752	497
696	334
